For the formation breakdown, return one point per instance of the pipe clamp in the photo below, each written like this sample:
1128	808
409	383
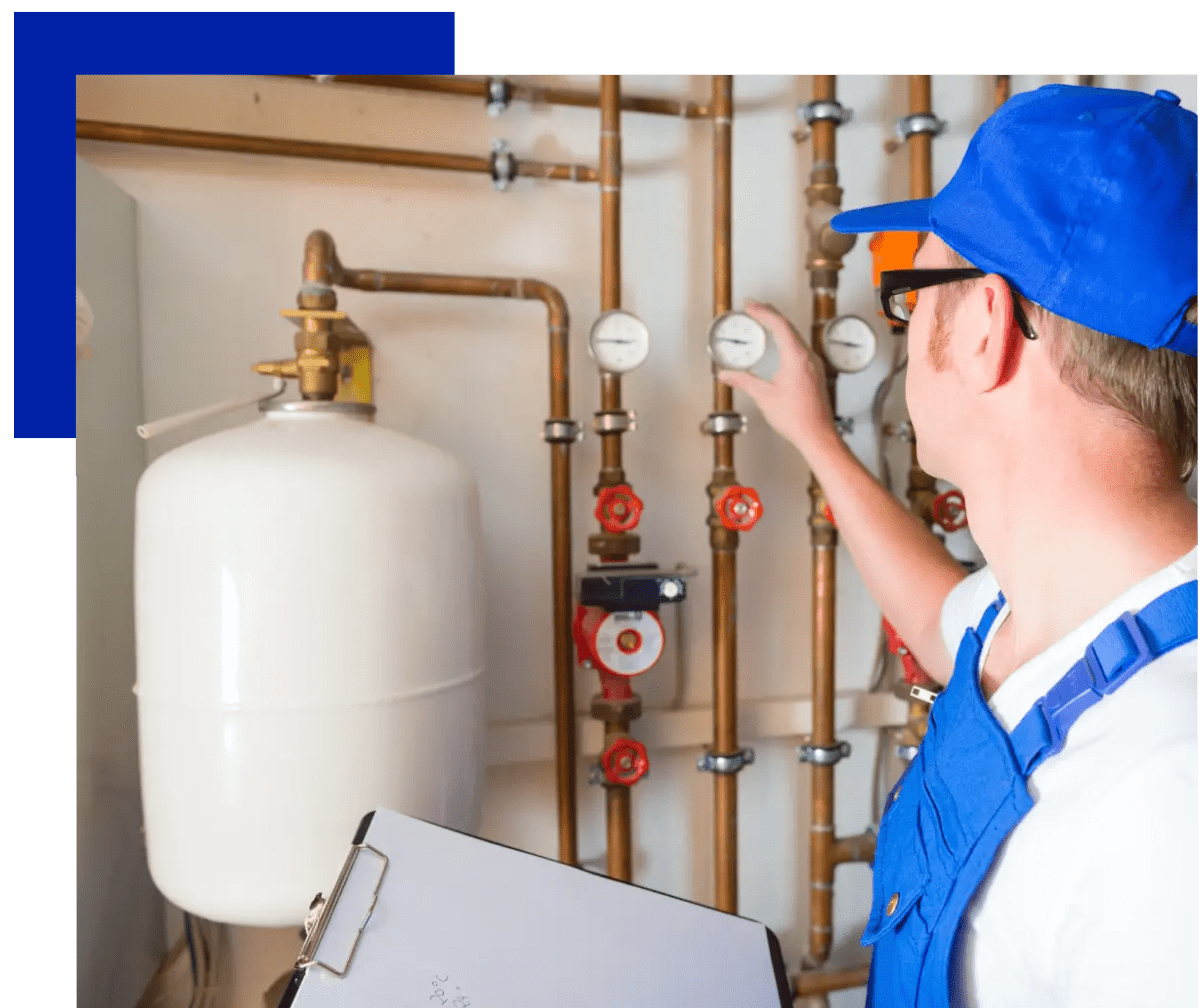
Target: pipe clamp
562	432
822	755
906	752
711	763
499	94
723	423
614	421
503	165
824	110
920	122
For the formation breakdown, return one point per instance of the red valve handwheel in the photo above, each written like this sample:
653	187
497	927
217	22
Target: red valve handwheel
739	508
625	761
618	508
914	675
828	515
950	510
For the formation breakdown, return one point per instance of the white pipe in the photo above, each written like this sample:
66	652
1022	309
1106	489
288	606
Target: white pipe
147	431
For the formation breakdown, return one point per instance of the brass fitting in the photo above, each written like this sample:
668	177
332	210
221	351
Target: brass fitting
826	247
606	544
616	711
824	532
916	725
318	351
720	538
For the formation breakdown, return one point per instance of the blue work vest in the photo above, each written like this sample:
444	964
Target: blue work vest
966	789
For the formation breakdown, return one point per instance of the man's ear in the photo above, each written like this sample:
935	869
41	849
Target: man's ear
996	352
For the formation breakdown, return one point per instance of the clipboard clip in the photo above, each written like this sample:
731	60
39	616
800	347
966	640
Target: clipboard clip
321	913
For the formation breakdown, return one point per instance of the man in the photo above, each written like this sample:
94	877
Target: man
1041	848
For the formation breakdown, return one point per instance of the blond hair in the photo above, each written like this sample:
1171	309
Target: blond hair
1156	389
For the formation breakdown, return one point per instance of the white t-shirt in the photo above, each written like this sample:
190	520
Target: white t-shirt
1091	901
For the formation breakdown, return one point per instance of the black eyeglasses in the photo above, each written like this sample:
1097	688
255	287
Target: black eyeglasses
897	293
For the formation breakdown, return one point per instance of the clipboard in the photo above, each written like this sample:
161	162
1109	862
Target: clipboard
423	916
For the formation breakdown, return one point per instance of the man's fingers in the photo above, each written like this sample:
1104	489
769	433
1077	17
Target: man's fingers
786	338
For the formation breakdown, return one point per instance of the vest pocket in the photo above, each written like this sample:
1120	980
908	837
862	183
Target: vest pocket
901	871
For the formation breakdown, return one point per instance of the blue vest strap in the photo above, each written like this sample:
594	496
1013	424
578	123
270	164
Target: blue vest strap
1126	645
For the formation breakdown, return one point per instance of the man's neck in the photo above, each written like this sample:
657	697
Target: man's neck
1066	541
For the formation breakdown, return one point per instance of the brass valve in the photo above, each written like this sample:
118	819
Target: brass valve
318	351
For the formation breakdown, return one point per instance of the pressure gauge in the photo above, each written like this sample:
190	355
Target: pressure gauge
736	342
849	343
619	341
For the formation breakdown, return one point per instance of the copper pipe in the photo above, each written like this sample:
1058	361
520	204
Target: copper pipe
322	269
87	129
922	487
478	87
618	819
724	542
920	145
612	473
824	261
1003	83
810	982
858	849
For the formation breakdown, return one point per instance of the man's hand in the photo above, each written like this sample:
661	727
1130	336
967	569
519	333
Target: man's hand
796	402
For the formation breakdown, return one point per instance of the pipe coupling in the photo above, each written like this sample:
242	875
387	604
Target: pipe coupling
728	764
723	423
817	755
562	432
824	240
503	165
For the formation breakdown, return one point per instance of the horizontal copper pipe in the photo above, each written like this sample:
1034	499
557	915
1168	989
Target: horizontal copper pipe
859	848
477	87
88	129
809	982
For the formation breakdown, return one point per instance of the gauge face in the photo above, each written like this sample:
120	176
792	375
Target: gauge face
736	342
849	343
619	341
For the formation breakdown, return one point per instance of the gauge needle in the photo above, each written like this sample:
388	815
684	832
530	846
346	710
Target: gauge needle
838	342
615	341
740	342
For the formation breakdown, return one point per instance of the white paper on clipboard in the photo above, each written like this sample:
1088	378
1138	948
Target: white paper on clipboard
427	917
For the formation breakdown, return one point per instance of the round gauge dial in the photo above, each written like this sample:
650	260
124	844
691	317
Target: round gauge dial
619	341
736	342
849	343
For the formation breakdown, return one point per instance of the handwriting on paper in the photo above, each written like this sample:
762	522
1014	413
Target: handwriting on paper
446	992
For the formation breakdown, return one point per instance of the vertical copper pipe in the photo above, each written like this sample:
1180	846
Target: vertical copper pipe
1003	84
824	260
618	799
922	487
612	473
920	145
724	541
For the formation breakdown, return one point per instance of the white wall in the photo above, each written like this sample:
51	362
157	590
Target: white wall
221	238
120	922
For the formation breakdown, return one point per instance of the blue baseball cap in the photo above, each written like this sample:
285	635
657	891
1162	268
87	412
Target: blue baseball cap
1084	199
